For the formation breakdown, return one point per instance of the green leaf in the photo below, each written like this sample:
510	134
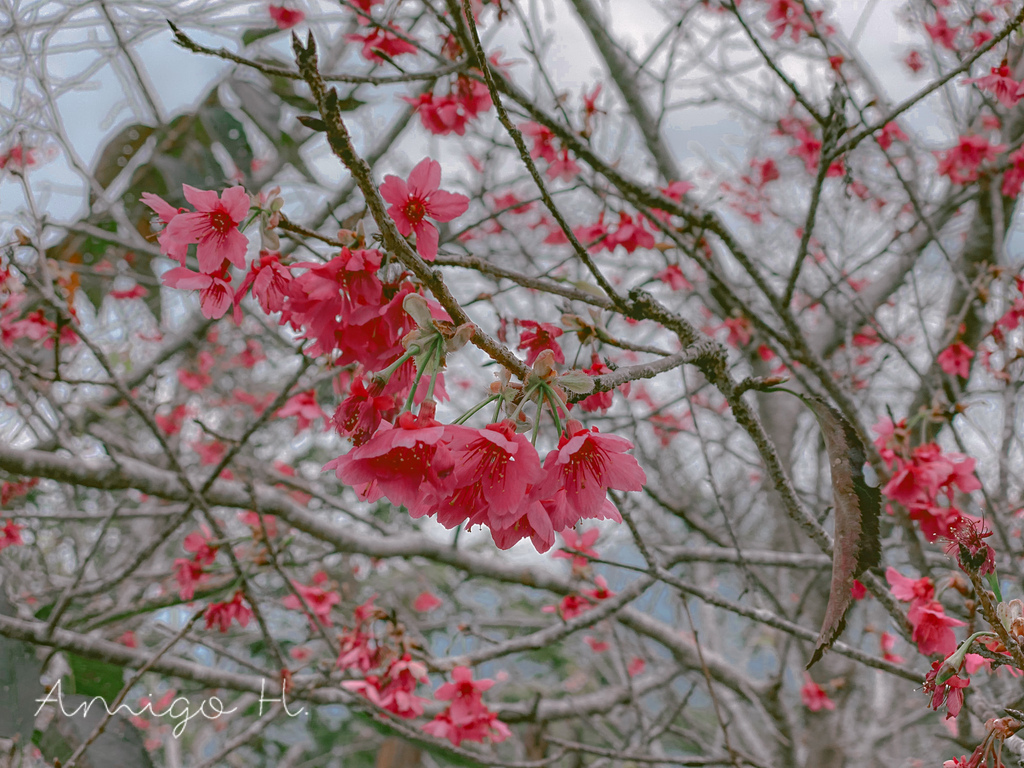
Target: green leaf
225	129
118	151
95	678
250	36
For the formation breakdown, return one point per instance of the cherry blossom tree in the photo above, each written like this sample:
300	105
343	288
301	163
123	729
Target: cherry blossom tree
413	383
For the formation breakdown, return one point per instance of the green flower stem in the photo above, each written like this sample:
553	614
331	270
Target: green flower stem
436	366
482	404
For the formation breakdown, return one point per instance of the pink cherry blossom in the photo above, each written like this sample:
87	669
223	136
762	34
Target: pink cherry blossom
269	280
563	167
174	248
199	543
600	401
494	468
674	277
933	628
405	460
961	163
542	141
630	235
534	523
359	414
223	614
580	471
466	718
814	697
188	574
411	202
426	602
10	535
380	40
891	132
1000	84
304	407
215	292
582	544
956	359
285	18
1013	178
949	692
540	336
214	227
888	642
318	600
909	590
942	33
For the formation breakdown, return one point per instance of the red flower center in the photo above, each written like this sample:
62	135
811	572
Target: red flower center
415	210
220	222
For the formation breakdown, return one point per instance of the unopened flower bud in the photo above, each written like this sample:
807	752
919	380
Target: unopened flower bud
418	310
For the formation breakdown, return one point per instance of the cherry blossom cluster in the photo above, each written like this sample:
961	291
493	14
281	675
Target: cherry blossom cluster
922	477
572	605
466	718
191	572
33	326
492	476
933	631
460	475
388	676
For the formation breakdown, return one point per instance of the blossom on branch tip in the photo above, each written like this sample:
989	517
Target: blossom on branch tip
814	696
381	40
962	162
405	460
10	535
466	718
319	601
215	294
1000	84
222	614
213	228
956	359
580	471
537	337
285	18
413	201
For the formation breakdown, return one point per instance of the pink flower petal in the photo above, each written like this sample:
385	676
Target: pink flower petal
161	207
236	203
185	279
426	240
445	206
203	200
394	190
425	178
426	602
